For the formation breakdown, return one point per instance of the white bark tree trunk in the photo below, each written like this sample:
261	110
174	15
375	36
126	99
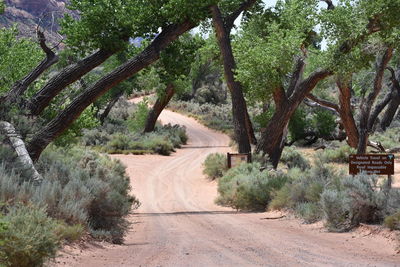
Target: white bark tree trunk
18	145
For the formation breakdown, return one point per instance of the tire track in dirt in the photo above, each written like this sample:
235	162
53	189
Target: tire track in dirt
178	223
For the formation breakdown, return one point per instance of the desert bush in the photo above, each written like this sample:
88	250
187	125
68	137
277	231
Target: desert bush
393	221
247	188
303	191
80	187
292	158
217	117
29	238
339	155
215	165
310	212
357	200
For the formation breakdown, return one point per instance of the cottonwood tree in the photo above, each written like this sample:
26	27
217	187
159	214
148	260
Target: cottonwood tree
101	31
173	68
377	47
273	63
223	18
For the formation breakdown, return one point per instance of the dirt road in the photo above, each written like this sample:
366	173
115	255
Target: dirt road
179	225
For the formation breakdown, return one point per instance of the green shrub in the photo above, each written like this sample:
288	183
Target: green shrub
292	158
339	155
393	221
324	122
357	200
217	117
80	187
310	212
303	191
281	199
215	165
30	237
336	211
69	233
247	188
298	124
137	120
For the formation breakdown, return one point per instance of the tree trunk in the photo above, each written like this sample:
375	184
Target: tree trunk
18	145
241	122
272	135
390	111
346	114
20	87
66	117
161	103
109	106
366	104
64	78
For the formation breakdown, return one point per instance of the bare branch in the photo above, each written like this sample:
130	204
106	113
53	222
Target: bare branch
324	103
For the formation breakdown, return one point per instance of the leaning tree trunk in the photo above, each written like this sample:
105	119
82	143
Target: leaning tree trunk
20	87
67	76
346	114
66	117
241	120
8	130
161	103
390	111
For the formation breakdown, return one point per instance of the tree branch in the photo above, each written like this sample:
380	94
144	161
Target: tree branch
21	86
324	103
307	85
66	117
229	20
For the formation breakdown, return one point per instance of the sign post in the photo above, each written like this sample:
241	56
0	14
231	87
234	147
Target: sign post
379	164
236	159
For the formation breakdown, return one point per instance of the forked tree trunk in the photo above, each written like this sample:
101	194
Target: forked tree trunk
366	104
272	136
66	117
241	120
8	130
161	103
67	76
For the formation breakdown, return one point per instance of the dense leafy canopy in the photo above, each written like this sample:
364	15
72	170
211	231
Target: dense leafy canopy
18	56
109	24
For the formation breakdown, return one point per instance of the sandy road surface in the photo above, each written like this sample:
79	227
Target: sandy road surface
179	225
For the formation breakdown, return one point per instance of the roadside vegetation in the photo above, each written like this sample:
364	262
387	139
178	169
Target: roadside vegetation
122	132
313	191
303	73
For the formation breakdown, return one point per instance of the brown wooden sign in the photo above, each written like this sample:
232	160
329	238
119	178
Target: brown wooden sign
379	164
236	159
